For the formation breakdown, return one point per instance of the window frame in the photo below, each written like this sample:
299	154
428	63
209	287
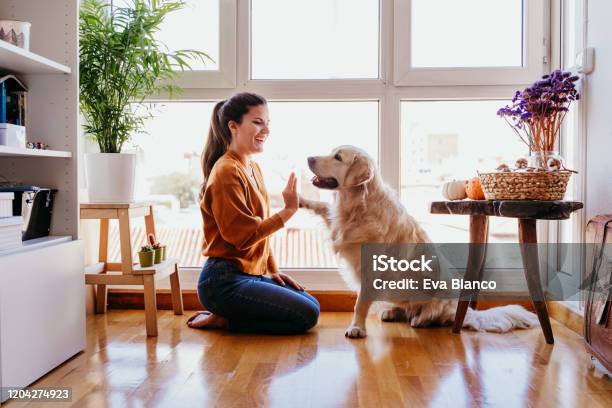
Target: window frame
535	49
562	61
579	131
385	90
579	134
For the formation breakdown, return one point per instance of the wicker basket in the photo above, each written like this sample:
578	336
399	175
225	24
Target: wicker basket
542	185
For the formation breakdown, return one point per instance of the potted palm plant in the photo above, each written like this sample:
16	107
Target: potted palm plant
121	64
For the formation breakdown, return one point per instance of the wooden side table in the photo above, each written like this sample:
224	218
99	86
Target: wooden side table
527	213
127	272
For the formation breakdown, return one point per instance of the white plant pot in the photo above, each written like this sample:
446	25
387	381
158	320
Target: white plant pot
110	177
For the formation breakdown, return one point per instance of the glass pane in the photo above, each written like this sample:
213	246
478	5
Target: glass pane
314	39
169	173
569	27
299	130
568	147
196	26
467	33
446	140
567	142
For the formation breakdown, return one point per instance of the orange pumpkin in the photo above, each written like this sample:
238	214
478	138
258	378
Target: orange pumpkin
473	189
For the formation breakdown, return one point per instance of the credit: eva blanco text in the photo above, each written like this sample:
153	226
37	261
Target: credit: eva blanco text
431	284
384	263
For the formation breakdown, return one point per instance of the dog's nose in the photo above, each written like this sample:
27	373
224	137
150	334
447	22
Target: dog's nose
311	161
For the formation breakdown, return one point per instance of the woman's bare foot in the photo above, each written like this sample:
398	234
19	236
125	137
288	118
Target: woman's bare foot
207	320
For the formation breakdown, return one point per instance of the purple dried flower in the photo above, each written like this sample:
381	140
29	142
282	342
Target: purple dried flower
537	112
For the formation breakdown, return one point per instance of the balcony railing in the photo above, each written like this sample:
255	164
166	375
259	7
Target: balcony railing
292	247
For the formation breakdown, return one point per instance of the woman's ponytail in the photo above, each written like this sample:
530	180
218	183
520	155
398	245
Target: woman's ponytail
217	144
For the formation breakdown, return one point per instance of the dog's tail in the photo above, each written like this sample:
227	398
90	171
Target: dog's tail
500	319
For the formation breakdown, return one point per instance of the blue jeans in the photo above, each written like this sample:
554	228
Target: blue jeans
254	304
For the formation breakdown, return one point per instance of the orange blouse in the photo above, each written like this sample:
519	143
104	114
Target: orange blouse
236	213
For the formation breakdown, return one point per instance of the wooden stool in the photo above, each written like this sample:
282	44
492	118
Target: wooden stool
527	213
130	273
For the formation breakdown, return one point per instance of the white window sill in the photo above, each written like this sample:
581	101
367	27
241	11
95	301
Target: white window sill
312	279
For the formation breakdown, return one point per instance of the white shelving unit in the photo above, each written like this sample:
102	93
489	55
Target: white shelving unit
18	60
37	243
42	291
6	151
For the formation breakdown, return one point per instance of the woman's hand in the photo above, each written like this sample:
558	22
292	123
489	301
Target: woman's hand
291	199
290	195
285	280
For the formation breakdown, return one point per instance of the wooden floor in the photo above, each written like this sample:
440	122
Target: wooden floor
394	366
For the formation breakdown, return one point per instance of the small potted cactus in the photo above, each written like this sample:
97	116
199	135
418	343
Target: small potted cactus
146	256
157	248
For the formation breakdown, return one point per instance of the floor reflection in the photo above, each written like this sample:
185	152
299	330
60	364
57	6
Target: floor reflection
394	366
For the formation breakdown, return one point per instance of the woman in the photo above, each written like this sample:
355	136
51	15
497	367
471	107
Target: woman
237	224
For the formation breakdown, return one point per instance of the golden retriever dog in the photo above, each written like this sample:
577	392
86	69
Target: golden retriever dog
366	210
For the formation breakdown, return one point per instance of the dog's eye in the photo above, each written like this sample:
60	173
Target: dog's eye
338	157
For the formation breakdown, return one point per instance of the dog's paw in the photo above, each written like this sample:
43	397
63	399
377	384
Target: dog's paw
387	315
303	202
355	332
395	314
418	321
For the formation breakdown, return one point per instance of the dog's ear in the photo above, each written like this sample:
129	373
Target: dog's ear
359	173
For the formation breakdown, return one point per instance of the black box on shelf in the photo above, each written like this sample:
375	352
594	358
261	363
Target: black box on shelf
35	205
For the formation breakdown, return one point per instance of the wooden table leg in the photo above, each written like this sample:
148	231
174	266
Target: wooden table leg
529	252
125	240
479	228
150	305
102	257
175	289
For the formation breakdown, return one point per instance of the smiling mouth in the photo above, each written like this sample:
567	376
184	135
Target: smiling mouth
329	183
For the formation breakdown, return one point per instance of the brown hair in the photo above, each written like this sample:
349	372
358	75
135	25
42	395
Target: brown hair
219	135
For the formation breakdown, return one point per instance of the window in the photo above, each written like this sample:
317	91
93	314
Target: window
469	42
571	145
315	39
354	72
299	130
169	172
568	260
446	140
204	25
169	175
196	26
502	46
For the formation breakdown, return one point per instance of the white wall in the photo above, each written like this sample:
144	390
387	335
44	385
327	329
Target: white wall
599	110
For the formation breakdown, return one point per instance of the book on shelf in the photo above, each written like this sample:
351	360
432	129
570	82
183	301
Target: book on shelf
10	233
6	204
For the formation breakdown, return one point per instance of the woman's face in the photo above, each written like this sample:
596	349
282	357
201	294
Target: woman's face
249	136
